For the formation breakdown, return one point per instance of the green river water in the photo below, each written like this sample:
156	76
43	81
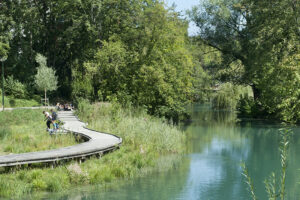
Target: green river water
211	169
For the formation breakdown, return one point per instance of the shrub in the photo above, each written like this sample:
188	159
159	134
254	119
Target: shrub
76	174
14	88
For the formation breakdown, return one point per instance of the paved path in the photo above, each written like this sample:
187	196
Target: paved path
29	108
96	143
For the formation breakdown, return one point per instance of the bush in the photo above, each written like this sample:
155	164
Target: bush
14	88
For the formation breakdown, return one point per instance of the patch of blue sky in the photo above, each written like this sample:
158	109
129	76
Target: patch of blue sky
182	6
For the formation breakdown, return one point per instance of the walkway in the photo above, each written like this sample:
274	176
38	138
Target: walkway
96	144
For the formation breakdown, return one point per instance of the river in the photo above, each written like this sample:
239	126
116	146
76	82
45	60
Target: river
211	170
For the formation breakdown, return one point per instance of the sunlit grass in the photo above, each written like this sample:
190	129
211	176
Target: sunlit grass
10	102
149	144
25	131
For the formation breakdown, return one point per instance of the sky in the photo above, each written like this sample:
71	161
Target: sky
182	6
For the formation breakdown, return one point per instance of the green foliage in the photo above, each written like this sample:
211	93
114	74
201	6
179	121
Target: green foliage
145	64
145	140
4	48
45	78
280	93
14	88
249	181
142	130
11	102
136	50
81	86
110	71
84	108
271	183
228	96
24	131
259	43
206	61
247	107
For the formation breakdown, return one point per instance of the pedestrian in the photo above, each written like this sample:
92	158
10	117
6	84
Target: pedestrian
48	119
58	106
54	118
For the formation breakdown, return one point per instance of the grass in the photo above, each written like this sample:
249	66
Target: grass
147	141
11	102
25	131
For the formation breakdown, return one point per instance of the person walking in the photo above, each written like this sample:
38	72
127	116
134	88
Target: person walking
54	118
48	119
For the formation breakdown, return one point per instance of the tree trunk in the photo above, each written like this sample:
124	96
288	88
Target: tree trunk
45	96
256	92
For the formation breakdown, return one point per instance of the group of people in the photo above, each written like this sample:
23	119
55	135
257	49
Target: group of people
51	119
65	107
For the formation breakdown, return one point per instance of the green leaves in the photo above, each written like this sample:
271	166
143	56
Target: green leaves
4	48
271	183
135	51
263	36
45	78
142	60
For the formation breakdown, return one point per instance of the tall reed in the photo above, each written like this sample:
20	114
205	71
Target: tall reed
271	183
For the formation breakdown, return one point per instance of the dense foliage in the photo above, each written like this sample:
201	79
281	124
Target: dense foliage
138	52
259	42
133	51
229	96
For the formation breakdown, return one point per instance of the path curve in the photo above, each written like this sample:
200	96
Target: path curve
96	144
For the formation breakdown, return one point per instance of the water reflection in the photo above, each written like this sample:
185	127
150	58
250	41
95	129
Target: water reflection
217	144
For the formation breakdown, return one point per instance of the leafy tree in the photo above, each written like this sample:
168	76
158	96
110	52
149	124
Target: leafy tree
257	37
45	78
101	49
145	60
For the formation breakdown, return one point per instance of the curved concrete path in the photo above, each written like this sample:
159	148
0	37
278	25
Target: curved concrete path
96	143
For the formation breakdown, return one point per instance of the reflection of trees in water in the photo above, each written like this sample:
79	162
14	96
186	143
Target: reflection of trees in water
212	133
208	124
218	142
204	115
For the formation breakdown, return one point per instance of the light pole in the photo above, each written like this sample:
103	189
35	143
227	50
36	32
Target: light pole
3	85
2	60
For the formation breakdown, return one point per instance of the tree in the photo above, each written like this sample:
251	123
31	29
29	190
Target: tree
45	78
99	48
261	35
144	60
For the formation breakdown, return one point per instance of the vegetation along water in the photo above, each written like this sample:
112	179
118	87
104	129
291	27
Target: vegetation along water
138	57
217	144
145	140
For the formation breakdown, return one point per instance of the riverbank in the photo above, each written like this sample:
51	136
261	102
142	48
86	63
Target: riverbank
145	138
